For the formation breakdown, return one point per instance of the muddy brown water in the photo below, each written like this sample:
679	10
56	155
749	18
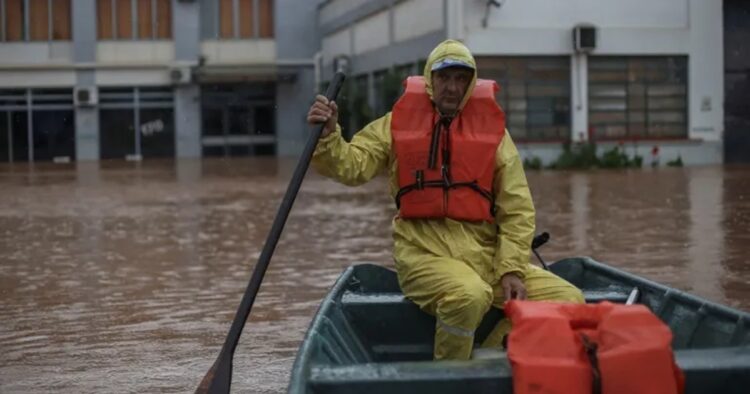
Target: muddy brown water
124	277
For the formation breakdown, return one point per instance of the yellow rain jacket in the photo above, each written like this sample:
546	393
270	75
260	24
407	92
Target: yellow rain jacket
493	250
444	265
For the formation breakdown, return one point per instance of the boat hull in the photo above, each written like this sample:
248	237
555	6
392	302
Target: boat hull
368	338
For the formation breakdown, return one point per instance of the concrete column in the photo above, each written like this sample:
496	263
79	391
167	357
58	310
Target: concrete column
579	107
187	112
292	101
297	41
187	105
453	18
706	71
84	51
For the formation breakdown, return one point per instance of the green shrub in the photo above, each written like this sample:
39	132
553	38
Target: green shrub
579	155
617	158
583	156
533	163
676	162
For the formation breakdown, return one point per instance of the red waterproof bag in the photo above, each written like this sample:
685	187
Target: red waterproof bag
579	348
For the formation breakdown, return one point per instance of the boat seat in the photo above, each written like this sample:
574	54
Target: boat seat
598	295
591	296
488	353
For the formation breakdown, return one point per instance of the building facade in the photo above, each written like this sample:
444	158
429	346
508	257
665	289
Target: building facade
132	79
650	76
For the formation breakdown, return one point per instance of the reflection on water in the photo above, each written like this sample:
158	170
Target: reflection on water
124	277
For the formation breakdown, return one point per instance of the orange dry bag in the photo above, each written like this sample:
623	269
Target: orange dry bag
597	348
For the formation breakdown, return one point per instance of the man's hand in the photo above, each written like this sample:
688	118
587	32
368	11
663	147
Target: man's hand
323	111
513	287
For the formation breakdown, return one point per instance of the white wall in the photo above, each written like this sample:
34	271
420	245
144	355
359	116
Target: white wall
337	8
691	152
239	51
544	26
550	14
135	52
132	76
691	28
37	78
36	64
411	19
35	53
415	18
372	33
338	43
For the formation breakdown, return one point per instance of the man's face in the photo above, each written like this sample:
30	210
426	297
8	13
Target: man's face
449	86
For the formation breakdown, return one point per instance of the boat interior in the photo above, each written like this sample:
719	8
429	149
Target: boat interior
368	337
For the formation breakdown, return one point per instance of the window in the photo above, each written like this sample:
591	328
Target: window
134	19
354	110
379	91
35	20
240	19
534	93
420	66
37	125
388	86
136	122
238	119
638	97
359	109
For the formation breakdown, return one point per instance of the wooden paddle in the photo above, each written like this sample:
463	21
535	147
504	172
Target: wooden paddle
218	379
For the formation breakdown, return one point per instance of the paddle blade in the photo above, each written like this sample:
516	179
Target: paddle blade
206	382
218	379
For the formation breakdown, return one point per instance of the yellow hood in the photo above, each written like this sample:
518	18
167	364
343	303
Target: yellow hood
491	249
453	50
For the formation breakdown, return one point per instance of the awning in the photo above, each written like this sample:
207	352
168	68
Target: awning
246	73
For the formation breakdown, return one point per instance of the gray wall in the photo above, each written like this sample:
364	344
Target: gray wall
297	41
84	51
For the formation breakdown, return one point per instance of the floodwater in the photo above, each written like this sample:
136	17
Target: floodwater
124	277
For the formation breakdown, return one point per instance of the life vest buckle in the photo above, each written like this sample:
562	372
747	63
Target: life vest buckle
446	176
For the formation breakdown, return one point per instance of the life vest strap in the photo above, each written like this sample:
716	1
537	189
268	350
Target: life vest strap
474	185
445	184
419	185
443	123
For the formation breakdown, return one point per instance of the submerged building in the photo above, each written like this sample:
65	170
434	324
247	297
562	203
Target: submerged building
645	75
132	79
137	79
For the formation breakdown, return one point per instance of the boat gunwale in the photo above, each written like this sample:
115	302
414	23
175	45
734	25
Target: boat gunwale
668	292
304	366
303	355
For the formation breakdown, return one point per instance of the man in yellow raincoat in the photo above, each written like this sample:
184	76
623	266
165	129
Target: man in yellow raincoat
453	269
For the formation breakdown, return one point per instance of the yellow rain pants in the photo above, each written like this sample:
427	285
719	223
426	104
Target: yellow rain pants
459	297
452	269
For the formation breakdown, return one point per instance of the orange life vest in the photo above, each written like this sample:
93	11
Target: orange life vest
446	166
601	348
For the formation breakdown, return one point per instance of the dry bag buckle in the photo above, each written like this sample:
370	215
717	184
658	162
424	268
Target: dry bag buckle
420	179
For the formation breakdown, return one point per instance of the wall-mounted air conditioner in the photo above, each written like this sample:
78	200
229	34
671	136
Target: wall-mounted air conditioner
181	75
584	38
85	96
341	63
